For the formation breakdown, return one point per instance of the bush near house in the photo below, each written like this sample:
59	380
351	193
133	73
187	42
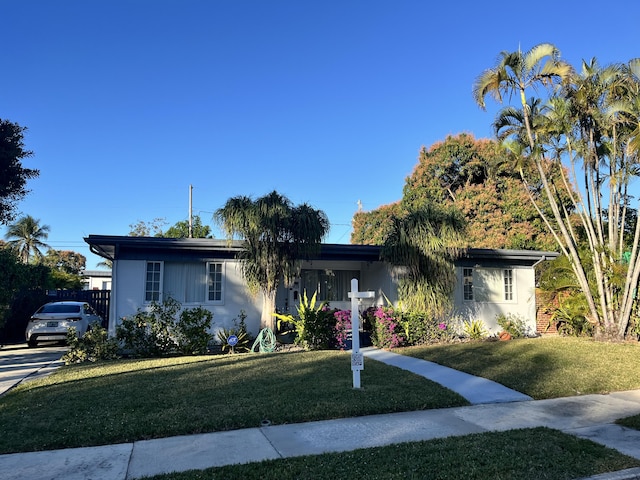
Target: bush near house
93	346
513	324
165	330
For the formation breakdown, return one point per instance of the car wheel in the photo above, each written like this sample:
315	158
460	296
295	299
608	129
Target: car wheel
32	343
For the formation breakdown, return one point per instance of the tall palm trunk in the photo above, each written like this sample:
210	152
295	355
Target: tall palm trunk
268	308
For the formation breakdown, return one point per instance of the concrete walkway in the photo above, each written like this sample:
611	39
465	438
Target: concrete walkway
587	416
475	389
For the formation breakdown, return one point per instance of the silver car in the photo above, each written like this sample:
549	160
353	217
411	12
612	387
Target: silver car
52	321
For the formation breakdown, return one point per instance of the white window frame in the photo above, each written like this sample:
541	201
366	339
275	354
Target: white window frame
508	283
160	281
222	282
467	287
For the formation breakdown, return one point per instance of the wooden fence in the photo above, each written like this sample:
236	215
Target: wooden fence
98	299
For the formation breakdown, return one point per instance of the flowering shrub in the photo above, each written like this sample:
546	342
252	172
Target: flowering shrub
387	332
343	325
421	328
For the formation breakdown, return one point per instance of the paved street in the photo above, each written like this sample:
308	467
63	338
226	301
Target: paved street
19	363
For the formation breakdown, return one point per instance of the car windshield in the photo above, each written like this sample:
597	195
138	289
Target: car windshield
58	308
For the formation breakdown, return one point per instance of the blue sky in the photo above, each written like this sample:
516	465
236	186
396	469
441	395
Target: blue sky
127	103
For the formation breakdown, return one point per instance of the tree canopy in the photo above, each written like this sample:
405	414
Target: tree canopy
13	176
181	229
475	178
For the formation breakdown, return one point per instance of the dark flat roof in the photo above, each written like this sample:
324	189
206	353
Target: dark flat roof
112	246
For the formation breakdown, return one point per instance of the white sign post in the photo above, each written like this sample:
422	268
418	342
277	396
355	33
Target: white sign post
357	358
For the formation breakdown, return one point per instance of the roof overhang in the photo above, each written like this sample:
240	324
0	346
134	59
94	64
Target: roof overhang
114	247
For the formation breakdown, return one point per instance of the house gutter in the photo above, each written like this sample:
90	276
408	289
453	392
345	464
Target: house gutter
538	262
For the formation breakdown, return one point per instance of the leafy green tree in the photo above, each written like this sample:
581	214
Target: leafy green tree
26	237
147	229
590	120
277	235
372	228
13	176
66	268
21	292
65	260
474	177
181	229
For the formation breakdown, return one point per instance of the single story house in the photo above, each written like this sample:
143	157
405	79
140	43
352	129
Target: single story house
205	272
96	279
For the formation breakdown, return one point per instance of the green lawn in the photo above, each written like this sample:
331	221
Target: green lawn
631	422
531	454
129	400
547	367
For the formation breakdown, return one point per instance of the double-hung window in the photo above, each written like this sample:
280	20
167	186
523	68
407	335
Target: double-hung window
467	283
215	275
508	284
152	290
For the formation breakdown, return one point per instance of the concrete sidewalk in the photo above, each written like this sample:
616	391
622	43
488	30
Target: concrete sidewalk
588	416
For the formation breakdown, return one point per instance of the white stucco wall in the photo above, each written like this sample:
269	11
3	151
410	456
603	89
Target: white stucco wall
488	292
129	276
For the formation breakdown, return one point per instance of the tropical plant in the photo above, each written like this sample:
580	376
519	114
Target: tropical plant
475	329
105	264
476	178
589	119
26	237
570	318
239	330
277	236
424	242
314	323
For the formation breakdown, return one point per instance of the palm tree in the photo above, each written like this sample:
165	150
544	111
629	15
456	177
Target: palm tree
105	264
277	236
26	236
425	241
514	74
584	119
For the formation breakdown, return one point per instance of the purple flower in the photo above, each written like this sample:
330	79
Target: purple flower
442	326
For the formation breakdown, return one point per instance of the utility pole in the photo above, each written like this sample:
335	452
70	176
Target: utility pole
190	211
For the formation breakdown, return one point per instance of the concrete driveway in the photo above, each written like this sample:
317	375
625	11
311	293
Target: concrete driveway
19	363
